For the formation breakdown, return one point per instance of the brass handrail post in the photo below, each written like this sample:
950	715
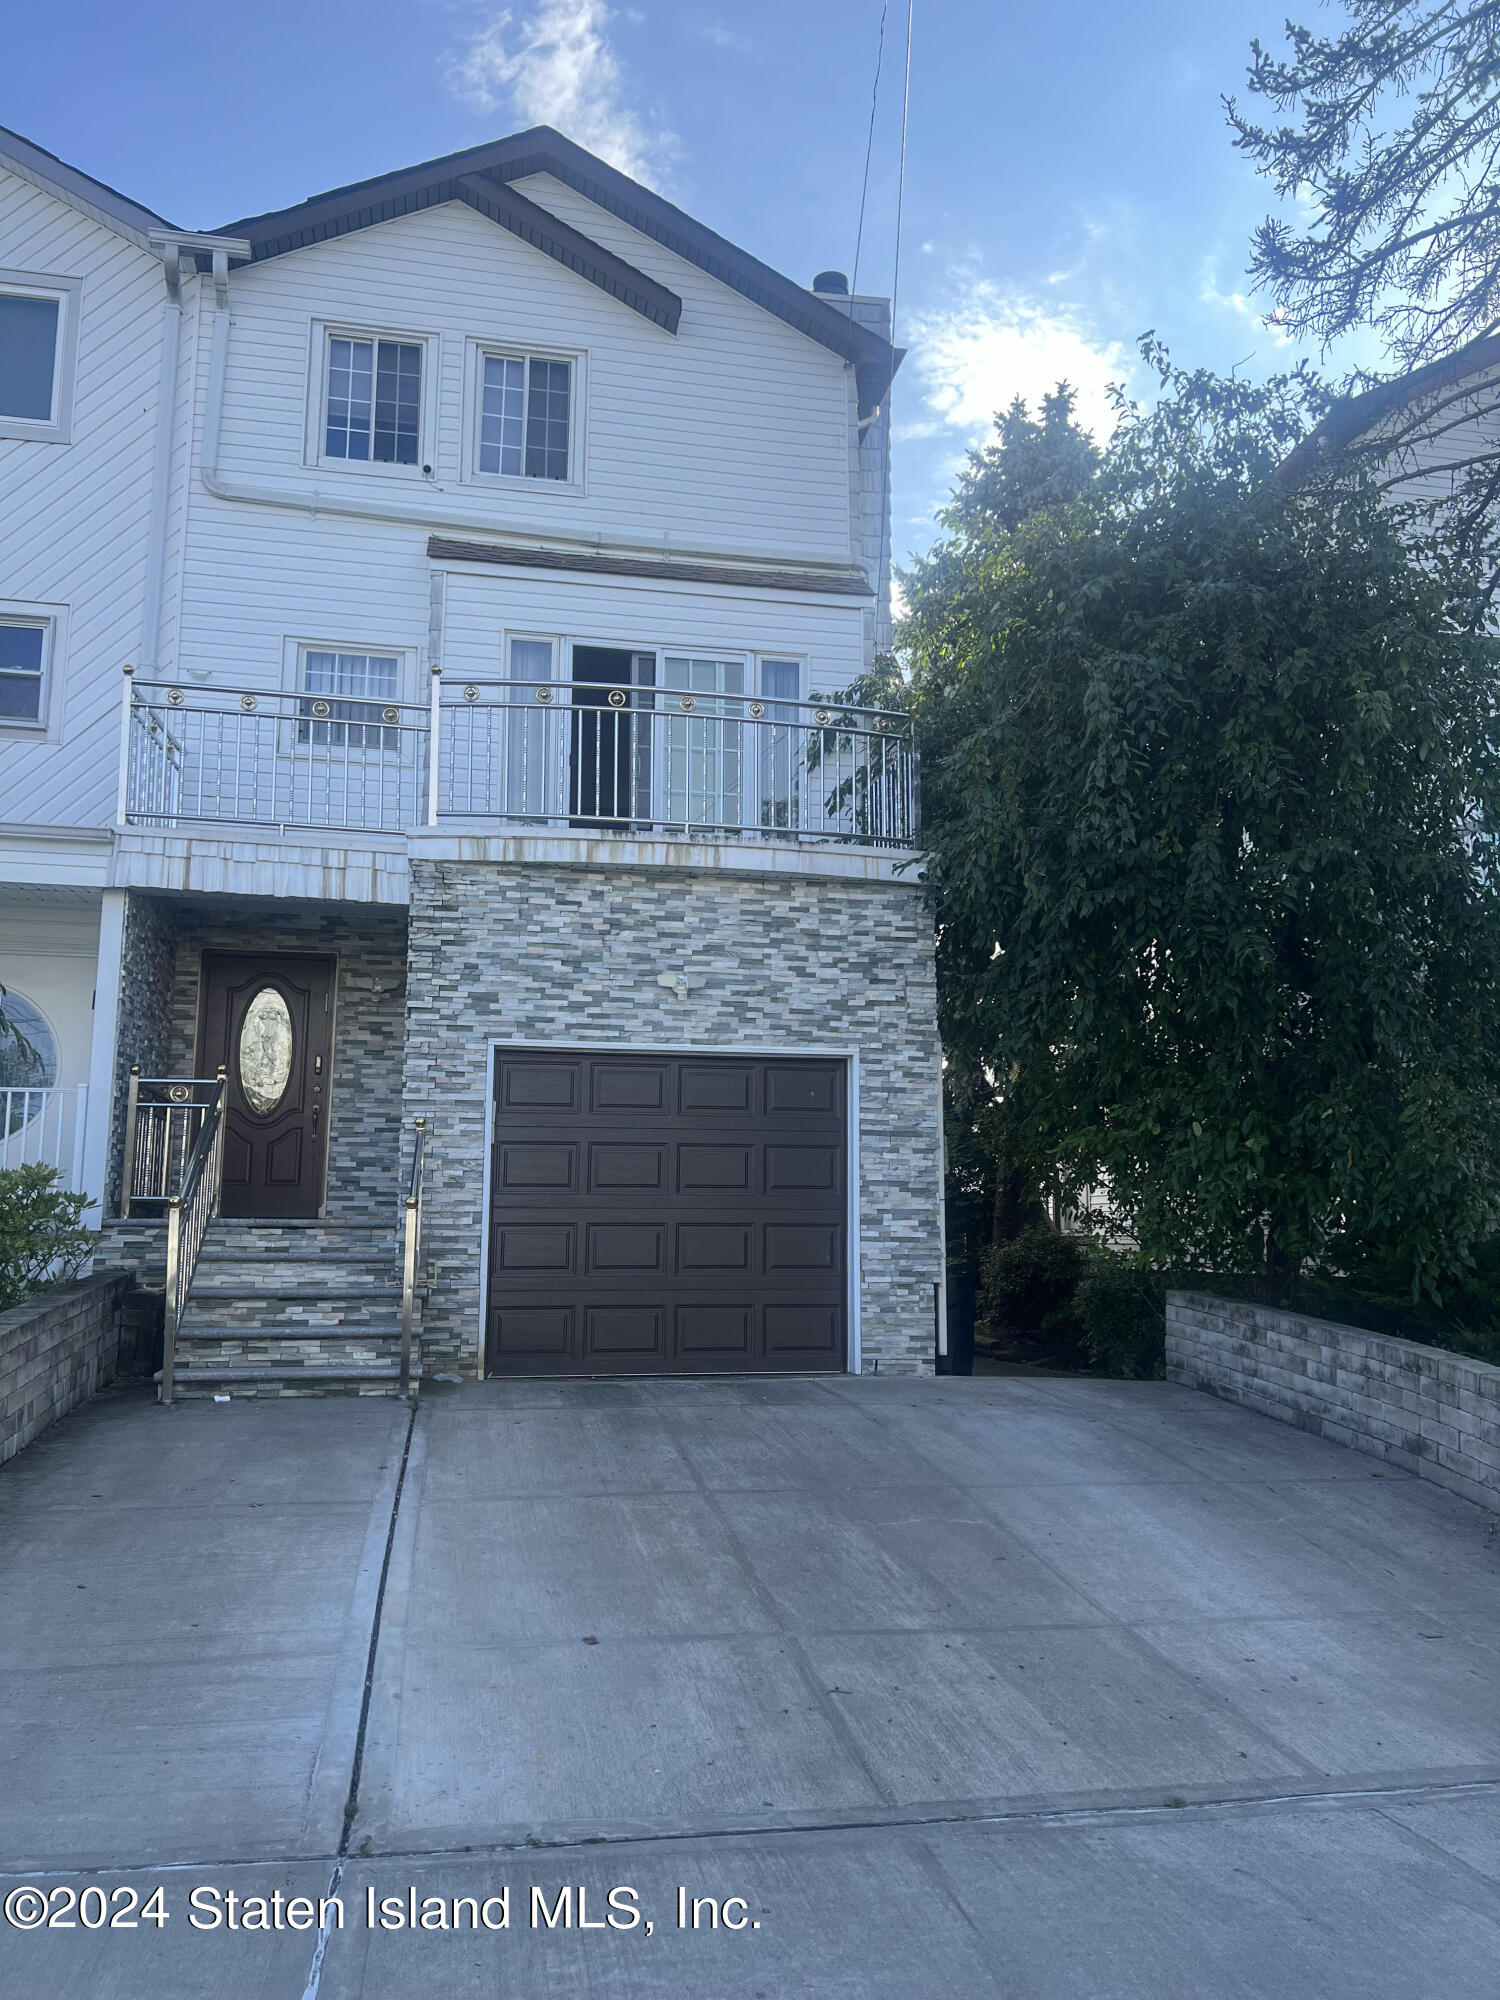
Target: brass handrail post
410	1251
169	1319
127	1169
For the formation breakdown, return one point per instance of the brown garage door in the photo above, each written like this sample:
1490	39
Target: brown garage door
666	1215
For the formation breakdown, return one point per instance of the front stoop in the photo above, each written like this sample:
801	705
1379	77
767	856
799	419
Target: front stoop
294	1309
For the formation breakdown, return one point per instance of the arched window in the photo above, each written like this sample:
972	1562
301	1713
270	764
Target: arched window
28	1054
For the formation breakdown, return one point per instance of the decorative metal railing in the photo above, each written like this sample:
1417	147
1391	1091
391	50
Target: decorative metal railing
45	1127
189	1212
164	1116
254	758
411	1250
636	761
645	760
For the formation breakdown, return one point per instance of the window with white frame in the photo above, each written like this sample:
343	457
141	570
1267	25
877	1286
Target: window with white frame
348	700
525	416
372	411
23	665
781	751
37	321
703	741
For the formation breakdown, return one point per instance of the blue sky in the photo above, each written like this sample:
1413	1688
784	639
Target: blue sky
1070	181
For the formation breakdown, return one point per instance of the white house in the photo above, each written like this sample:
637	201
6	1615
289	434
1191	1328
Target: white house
424	619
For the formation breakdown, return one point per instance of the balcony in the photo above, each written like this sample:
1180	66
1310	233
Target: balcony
637	762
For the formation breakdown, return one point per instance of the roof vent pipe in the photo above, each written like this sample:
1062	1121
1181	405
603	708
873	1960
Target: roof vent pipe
833	283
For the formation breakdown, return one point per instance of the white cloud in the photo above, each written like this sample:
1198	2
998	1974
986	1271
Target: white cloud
723	38
554	64
1237	303
974	356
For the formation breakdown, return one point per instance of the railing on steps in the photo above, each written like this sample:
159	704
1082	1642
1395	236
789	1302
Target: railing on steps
164	1116
411	1251
189	1212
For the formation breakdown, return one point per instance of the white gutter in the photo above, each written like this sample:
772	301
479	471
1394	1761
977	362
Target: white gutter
319	500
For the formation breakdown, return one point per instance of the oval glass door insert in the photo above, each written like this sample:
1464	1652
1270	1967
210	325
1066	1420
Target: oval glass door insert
265	1051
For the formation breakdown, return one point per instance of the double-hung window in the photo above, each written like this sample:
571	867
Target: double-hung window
373	406
525	416
348	700
37	322
23	658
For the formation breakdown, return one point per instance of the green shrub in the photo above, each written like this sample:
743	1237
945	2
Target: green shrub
42	1241
1027	1287
1122	1319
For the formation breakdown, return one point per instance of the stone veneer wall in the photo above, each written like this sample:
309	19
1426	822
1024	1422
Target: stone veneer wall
1432	1413
55	1352
555	954
143	1033
364	1135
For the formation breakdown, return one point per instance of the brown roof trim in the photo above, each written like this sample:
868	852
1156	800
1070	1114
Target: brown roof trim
546	232
827	583
1350	419
542	150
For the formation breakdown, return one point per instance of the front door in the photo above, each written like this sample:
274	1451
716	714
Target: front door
269	1021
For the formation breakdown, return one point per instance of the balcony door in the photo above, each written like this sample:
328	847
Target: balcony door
269	1020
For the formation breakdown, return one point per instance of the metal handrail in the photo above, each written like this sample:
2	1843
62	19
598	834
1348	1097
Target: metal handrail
411	1251
163	1117
659	760
189	1212
585	755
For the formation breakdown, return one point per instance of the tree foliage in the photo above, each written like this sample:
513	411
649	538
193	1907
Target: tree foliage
1208	784
1393	136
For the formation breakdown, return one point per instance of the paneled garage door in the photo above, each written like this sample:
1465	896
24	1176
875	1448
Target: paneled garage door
667	1215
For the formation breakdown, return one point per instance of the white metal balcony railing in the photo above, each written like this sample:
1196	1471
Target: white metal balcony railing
45	1127
558	755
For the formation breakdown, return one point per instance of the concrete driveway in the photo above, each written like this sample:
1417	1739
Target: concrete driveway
987	1687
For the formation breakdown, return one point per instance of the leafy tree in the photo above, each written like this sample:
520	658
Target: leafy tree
1395	140
1208	778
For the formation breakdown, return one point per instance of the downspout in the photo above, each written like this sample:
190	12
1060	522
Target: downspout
161	469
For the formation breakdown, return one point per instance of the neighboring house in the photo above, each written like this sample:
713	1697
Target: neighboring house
1431	437
423	616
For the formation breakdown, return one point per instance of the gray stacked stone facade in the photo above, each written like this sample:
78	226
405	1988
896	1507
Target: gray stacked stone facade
1432	1413
364	1136
147	958
556	955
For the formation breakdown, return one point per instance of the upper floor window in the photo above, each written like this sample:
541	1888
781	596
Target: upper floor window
373	407
348	700
36	329
23	658
525	416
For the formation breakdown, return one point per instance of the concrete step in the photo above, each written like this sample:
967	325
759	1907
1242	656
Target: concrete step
270	1379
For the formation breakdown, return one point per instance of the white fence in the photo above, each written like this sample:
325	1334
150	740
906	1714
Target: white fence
45	1126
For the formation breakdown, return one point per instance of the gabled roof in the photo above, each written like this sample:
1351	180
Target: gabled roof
1355	416
79	190
481	175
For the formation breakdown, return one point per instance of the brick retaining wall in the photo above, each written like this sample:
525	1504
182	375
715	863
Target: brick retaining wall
1432	1413
56	1351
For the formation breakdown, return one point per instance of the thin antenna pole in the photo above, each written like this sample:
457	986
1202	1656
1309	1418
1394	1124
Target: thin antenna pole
901	177
864	191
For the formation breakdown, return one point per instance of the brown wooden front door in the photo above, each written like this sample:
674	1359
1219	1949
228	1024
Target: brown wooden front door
269	1020
673	1214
